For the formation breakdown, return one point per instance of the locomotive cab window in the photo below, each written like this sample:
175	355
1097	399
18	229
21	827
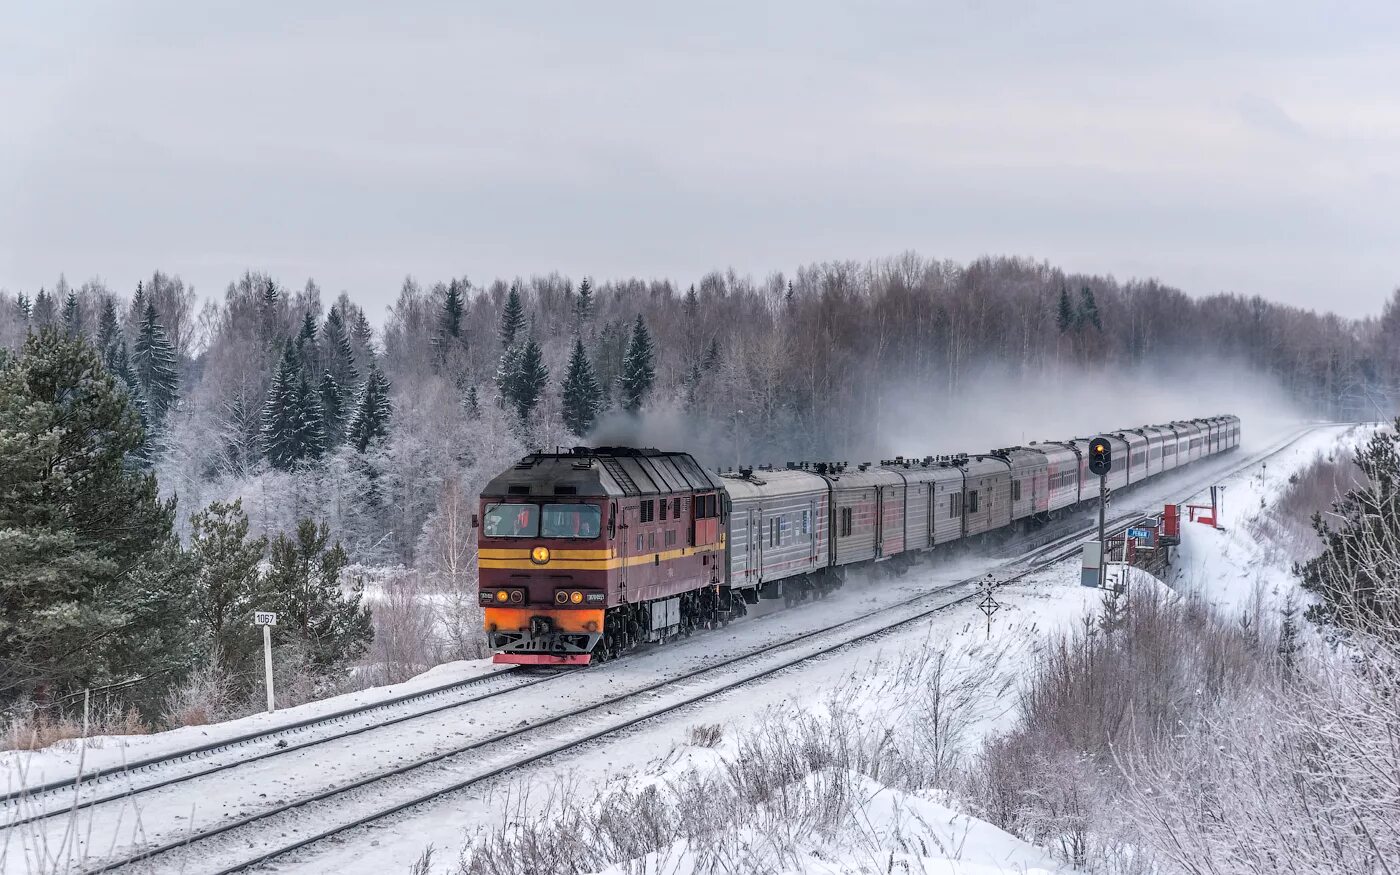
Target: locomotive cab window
570	521
511	521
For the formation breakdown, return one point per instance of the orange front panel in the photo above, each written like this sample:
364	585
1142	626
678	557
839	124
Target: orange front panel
565	619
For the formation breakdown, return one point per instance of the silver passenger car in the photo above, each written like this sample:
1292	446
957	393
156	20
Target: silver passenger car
778	525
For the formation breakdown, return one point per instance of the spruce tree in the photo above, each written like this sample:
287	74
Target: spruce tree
452	308
692	303
471	404
639	368
1088	309
508	374
23	306
281	415
303	583
87	574
530	381
512	318
372	412
332	410
581	396
72	318
228	588
154	361
338	352
108	330
583	307
711	356
1064	316
310	434
363	336
43	309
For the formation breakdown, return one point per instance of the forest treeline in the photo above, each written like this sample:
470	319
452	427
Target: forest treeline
291	401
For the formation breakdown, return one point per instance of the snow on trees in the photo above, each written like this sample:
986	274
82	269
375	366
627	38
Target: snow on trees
639	369
372	411
582	398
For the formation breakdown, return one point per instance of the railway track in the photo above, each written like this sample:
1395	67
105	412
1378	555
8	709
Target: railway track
442	772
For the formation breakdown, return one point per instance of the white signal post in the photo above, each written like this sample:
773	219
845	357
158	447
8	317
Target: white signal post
267	619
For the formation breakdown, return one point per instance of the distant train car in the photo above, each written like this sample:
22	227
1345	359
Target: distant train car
778	525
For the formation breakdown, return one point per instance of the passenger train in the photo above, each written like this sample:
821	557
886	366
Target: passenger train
586	554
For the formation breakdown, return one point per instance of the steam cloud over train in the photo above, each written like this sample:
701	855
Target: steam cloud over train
584	555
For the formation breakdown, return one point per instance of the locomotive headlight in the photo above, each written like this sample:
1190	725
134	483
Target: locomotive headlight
517	596
502	595
561	597
539	555
576	598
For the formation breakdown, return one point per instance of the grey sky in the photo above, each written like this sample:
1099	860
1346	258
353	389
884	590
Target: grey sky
1250	147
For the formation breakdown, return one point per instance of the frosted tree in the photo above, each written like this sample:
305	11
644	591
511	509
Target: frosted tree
1064	314
333	412
281	415
338	353
153	359
310	435
44	309
529	381
583	305
108	332
372	411
24	309
639	369
512	318
452	309
582	398
72	315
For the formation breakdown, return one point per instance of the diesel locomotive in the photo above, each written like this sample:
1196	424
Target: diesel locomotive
585	554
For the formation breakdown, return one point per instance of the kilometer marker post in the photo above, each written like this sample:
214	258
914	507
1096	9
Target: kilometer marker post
267	619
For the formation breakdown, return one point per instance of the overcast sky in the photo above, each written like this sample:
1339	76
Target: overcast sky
1218	146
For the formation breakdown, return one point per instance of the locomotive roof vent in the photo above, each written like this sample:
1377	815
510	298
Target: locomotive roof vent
566	490
746	473
518	489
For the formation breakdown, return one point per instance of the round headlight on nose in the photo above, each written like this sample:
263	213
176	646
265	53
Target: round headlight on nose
576	598
561	597
539	555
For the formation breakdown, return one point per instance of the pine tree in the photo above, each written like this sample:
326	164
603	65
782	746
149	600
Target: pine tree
270	295
1064	317
332	410
108	330
303	582
362	334
512	318
25	308
583	307
88	593
639	368
339	354
1356	577
228	588
154	361
581	396
790	296
692	303
530	379
306	339
1088	309
507	374
281	415
72	318
452	308
43	309
711	356
372	412
310	433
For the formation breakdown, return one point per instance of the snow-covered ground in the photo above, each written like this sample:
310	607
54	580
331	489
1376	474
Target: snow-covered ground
917	828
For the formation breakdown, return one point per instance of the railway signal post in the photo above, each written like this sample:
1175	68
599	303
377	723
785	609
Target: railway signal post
1100	463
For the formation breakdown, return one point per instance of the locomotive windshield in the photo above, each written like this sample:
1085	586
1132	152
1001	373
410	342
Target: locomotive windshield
583	521
512	521
571	521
